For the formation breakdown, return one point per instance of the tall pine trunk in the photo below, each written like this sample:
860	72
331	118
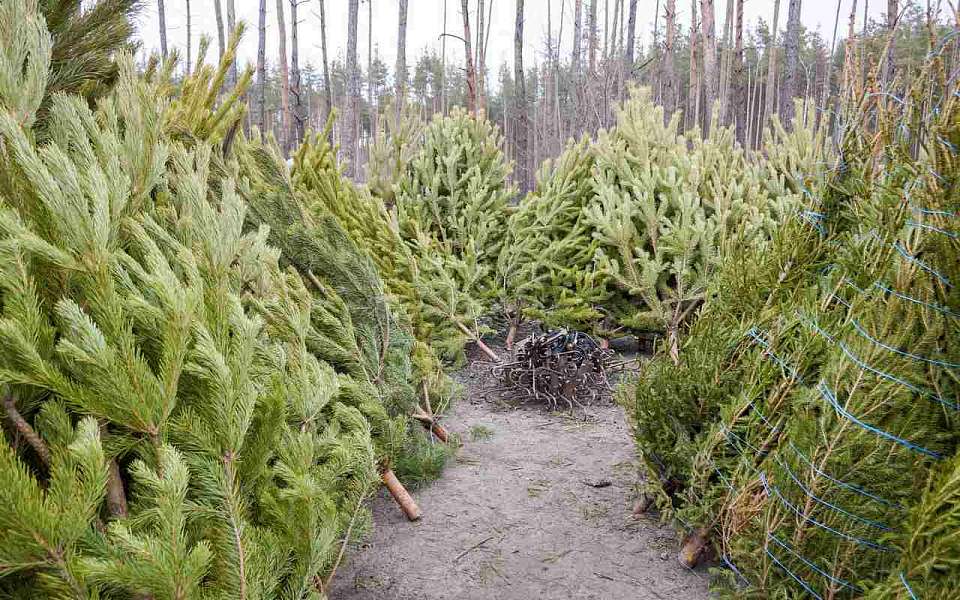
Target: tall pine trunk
708	28
284	79
261	104
219	13
893	9
189	44
296	91
592	34
828	72
577	40
740	102
162	13
480	77
693	89
231	26
327	90
792	76
631	34
401	71
668	77
726	67
771	69
468	51
351	137
520	130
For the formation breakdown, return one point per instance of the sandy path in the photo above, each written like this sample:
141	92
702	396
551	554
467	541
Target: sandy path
515	517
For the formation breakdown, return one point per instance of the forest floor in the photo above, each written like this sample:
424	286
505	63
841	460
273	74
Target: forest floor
534	505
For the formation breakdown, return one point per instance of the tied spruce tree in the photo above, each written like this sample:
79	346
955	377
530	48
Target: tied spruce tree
809	432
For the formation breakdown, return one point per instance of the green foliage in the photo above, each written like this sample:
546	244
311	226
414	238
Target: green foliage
803	422
204	374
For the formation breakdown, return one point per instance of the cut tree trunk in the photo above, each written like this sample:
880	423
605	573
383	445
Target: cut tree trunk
401	495
486	349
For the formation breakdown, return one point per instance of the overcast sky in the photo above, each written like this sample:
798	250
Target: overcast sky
425	23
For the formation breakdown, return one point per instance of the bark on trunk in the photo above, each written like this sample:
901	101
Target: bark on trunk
708	28
219	14
792	76
631	34
401	71
771	68
468	51
327	92
893	12
296	92
693	93
189	45
823	117
520	130
740	103
577	15
351	131
162	13
592	34
668	77
260	110
231	26
284	79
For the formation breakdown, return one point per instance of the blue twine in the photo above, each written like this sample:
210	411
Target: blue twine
932	361
935	213
769	487
950	234
882	374
810	564
848	486
733	568
814	218
907	586
937	307
829	396
911	258
790	573
947	143
757	336
817	499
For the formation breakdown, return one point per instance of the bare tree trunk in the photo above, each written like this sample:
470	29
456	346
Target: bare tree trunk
232	26
893	10
592	33
523	177
189	44
299	108
468	50
726	66
443	58
631	34
668	76
771	67
575	56
260	111
850	52
479	61
708	27
401	71
284	79
740	102
351	133
327	90
219	13
792	59
693	100
161	11
823	117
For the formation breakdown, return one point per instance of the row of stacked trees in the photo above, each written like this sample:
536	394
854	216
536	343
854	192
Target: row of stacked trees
625	233
808	432
201	374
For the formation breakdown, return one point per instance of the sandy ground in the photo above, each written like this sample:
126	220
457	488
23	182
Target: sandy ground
535	505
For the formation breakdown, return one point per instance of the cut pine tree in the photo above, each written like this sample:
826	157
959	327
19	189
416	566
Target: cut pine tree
401	495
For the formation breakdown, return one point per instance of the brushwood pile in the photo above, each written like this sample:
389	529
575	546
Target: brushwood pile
209	357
